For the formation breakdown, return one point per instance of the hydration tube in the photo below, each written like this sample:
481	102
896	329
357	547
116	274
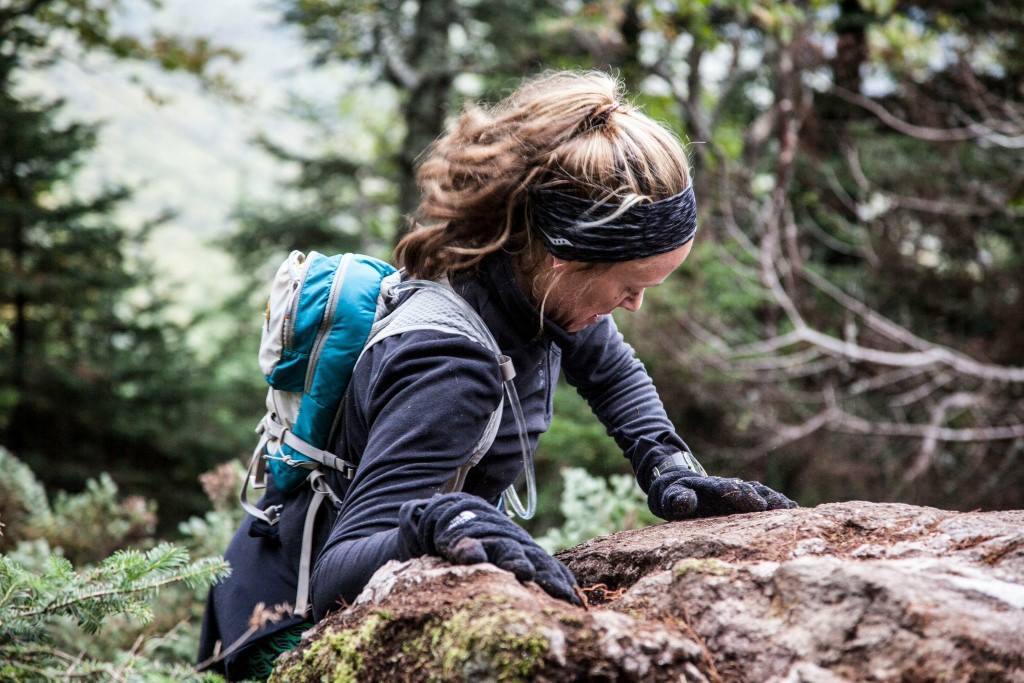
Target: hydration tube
509	495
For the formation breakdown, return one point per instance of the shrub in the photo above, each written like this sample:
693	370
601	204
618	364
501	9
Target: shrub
594	506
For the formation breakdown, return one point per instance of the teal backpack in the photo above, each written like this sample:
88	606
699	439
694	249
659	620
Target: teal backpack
323	313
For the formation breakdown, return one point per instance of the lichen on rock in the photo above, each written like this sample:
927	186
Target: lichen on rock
476	643
338	654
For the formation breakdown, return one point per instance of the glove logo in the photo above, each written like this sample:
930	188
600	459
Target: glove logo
462	518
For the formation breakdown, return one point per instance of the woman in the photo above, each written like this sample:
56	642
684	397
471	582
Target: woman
545	213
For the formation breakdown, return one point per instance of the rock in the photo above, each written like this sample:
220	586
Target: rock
427	620
857	530
841	592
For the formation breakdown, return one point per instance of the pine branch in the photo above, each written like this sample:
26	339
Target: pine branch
199	570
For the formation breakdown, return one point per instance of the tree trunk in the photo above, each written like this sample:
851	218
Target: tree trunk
426	103
19	332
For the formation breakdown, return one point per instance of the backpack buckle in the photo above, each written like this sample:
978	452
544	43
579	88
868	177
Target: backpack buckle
273	514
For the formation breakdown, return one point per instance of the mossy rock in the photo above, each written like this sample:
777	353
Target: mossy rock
481	642
433	622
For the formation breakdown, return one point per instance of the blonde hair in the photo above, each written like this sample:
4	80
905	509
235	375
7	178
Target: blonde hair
561	129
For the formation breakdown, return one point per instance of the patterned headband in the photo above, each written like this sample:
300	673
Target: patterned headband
578	229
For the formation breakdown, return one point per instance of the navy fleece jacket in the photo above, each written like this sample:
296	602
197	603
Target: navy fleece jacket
416	405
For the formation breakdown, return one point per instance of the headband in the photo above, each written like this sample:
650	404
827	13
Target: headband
578	229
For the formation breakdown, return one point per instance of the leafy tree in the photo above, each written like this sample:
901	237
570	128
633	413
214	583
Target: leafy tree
421	48
853	333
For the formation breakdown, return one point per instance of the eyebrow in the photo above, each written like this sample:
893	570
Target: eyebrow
652	284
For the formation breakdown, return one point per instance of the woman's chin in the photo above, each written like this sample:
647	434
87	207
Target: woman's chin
580	325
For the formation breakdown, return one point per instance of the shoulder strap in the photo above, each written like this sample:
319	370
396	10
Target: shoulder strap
436	306
431	306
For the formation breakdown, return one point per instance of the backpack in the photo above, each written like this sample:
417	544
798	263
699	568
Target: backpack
322	314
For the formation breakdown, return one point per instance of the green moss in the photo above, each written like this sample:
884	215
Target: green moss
475	643
571	620
485	640
336	656
708	565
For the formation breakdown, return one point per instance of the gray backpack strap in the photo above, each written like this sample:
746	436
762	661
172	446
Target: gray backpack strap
435	306
432	306
457	481
320	491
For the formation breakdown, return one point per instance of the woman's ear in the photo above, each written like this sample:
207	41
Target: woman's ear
556	263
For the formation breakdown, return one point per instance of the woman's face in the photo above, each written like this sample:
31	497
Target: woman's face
580	297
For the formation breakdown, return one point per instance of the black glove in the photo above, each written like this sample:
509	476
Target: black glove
465	529
677	492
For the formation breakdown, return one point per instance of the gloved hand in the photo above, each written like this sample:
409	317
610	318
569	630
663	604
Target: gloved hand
465	529
677	492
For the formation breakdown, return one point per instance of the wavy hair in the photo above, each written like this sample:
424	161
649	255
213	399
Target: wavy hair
569	130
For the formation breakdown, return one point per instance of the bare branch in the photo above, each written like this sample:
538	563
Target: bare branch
930	353
784	374
791	433
703	334
921	392
931	440
884	379
791	360
937	206
898	124
975	130
993	205
851	424
837	244
767	345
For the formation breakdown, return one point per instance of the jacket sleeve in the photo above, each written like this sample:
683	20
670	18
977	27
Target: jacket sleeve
606	372
425	406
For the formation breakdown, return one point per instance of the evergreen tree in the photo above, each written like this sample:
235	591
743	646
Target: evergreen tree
92	376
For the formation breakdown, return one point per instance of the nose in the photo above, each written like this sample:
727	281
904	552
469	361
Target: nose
633	303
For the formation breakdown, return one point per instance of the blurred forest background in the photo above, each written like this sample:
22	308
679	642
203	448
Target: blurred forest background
849	325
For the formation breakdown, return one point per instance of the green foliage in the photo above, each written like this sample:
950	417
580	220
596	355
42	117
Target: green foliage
594	506
211	533
84	527
22	499
88	526
574	438
133	615
33	602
